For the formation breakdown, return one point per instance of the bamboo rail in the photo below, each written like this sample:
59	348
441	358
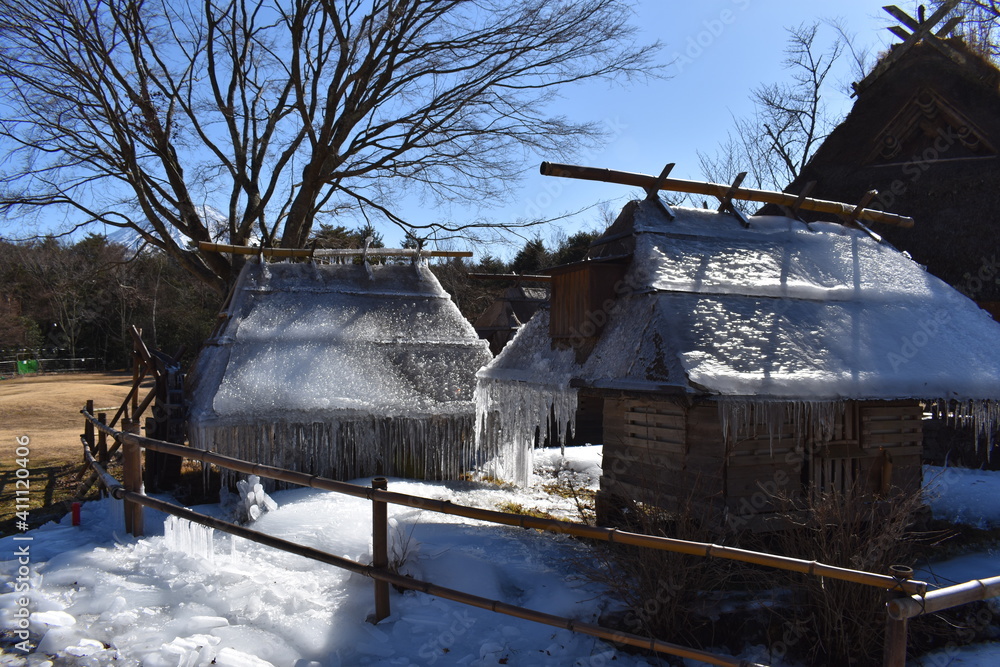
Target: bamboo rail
944	598
106	478
384	577
720	191
613	535
329	252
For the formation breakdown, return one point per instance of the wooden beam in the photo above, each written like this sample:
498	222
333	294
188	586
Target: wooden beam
328	252
727	200
719	190
516	277
653	191
930	37
897	52
793	210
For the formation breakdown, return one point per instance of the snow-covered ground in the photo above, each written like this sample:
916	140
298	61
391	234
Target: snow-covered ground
99	597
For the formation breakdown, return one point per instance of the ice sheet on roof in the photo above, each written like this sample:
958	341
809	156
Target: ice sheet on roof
339	369
318	338
814	350
779	310
636	354
708	253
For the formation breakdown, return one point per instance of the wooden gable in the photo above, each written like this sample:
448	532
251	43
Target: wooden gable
927	127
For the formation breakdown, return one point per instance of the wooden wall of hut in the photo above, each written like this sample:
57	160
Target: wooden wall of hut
582	295
659	451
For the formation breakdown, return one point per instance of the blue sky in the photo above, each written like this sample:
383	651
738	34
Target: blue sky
720	50
716	51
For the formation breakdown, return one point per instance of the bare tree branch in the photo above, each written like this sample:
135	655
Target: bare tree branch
980	27
145	114
790	118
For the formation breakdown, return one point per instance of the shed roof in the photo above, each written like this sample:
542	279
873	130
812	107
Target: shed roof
925	134
307	343
779	310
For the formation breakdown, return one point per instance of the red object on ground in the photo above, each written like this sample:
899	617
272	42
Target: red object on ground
76	514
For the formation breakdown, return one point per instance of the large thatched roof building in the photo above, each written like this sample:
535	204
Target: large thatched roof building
502	318
341	370
725	357
925	132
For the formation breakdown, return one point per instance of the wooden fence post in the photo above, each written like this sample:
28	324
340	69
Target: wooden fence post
102	440
894	654
88	428
135	380
132	481
380	548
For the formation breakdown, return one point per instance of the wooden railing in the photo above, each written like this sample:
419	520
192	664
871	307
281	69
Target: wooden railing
898	583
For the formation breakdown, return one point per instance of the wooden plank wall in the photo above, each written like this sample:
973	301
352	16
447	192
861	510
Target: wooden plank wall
659	451
648	458
894	429
568	303
579	296
644	449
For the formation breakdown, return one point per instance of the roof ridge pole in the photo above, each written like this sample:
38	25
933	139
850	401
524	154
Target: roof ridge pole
717	190
929	37
727	200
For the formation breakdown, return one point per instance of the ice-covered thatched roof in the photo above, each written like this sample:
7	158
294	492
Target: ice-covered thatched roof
779	310
330	356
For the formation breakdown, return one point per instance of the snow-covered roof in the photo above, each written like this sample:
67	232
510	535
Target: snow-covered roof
776	310
306	342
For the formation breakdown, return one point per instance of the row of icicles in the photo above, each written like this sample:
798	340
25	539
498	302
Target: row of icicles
511	420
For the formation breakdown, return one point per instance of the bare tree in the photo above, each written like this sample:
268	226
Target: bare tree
67	278
789	122
144	114
980	26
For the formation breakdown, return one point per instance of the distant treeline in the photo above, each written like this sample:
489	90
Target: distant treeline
77	300
61	299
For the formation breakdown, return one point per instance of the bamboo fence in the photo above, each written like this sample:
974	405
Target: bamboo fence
911	597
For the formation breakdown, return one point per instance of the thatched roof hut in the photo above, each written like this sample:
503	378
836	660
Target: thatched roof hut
925	134
502	318
727	356
341	370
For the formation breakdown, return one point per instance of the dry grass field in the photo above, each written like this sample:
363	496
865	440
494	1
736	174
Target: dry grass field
45	409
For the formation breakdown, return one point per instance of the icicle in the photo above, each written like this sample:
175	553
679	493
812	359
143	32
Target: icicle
985	415
741	416
437	446
190	538
512	416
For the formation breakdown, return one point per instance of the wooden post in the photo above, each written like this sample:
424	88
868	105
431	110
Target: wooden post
132	481
88	428
102	440
380	548
894	653
135	379
152	458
